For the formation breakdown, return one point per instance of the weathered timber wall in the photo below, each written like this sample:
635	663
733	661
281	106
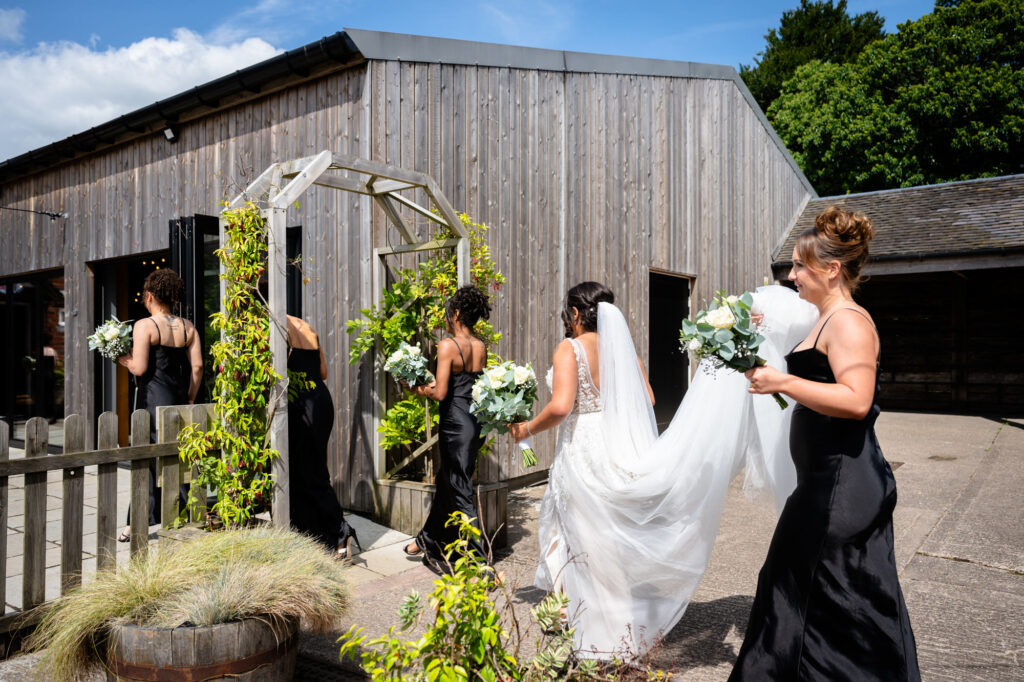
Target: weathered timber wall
579	176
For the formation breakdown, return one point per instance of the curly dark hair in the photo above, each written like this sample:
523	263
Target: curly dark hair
165	285
584	297
470	303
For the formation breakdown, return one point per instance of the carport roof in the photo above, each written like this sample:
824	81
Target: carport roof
962	221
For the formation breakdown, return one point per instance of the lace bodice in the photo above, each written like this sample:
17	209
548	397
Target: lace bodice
588	399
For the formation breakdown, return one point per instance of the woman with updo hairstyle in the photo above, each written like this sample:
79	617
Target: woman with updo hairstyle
167	361
828	602
460	360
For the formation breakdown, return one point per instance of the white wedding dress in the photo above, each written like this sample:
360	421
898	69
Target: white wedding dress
628	521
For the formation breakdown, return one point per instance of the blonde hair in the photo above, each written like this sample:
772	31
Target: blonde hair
838	235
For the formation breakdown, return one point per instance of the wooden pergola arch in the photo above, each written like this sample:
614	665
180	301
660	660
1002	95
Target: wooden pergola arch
282	184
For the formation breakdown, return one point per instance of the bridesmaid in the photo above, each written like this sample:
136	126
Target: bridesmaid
460	360
167	359
828	603
314	506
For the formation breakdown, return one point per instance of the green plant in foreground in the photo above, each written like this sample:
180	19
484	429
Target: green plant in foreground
273	574
233	454
465	641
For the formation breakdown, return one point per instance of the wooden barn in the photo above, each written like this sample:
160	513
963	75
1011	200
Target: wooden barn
662	179
946	274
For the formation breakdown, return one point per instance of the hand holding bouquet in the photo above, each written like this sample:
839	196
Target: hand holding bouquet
725	334
408	364
112	339
503	394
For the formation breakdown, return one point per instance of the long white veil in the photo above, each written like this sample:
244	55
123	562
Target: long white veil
652	509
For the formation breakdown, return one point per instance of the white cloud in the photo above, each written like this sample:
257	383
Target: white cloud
59	89
10	24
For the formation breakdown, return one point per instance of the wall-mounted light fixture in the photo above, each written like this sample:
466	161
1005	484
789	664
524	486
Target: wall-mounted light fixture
171	133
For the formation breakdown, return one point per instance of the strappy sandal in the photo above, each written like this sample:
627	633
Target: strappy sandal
417	553
124	536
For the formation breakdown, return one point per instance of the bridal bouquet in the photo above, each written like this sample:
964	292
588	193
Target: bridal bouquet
408	364
112	339
505	393
725	334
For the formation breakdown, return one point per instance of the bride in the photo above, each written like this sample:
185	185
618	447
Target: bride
629	518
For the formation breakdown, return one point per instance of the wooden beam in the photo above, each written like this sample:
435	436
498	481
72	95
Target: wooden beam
449	214
290	169
301	182
277	405
412	457
384	201
256	188
385	186
419	209
432	245
360	165
342	183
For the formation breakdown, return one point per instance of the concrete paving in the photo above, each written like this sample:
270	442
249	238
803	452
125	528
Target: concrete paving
959	547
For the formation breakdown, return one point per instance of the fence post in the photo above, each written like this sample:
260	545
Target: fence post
33	587
73	507
139	495
106	496
4	456
170	478
199	417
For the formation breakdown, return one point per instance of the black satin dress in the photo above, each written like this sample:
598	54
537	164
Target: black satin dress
165	382
314	506
460	440
828	603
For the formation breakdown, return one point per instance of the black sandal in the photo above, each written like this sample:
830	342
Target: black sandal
417	553
124	537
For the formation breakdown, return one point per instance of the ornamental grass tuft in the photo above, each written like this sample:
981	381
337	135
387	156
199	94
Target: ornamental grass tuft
267	573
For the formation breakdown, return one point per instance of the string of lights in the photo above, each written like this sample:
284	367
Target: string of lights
51	214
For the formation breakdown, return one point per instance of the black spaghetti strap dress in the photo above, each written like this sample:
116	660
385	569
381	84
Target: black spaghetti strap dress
828	603
314	506
165	382
460	441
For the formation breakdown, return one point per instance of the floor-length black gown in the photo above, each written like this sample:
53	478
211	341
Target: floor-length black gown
828	603
460	441
314	506
165	382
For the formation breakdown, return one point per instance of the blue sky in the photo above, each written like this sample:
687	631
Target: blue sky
66	66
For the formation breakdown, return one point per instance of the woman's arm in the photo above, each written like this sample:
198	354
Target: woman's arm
647	383
137	361
851	345
438	389
563	395
195	358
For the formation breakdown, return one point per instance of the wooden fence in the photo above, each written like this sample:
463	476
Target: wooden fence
36	467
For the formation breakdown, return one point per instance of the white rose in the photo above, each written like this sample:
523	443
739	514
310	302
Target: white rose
478	392
732	300
721	318
412	350
521	374
111	333
694	345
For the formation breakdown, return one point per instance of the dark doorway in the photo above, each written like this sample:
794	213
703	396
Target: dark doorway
669	365
194	242
32	348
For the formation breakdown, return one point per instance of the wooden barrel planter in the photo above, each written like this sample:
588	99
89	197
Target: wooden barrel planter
249	650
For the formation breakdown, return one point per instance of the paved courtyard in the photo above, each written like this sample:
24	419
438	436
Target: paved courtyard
959	548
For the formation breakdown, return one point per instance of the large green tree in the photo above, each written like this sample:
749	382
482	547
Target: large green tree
941	99
814	30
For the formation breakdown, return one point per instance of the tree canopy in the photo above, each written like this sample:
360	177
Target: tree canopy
814	30
942	99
